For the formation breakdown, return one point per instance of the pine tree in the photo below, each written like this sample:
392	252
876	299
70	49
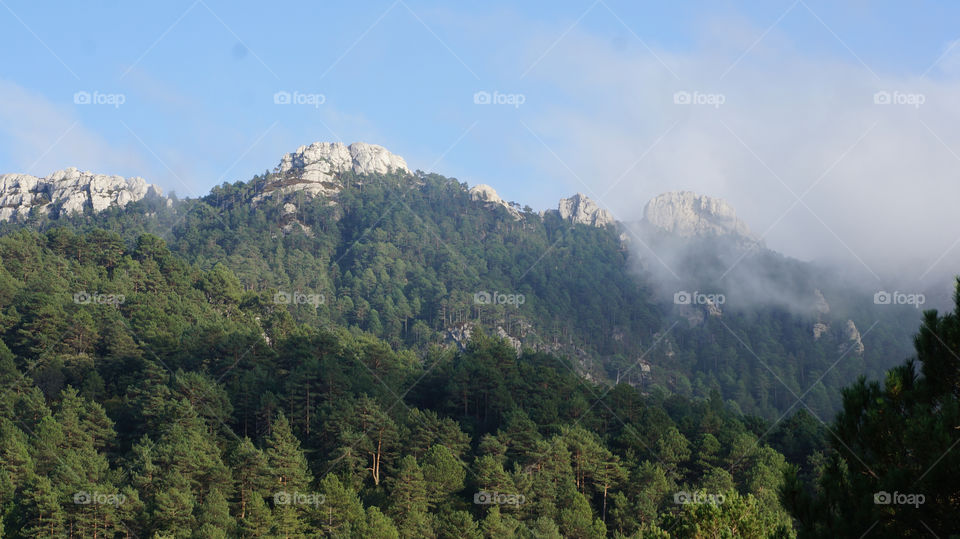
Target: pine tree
285	461
409	503
43	515
250	473
380	525
443	473
342	511
214	517
290	478
257	521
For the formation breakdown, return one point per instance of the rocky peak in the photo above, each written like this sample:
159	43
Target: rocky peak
68	191
488	195
315	169
580	209
327	158
688	214
854	339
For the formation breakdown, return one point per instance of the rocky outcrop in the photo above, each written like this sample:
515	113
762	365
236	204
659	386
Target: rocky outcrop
697	313
459	335
316	169
821	307
290	223
580	209
853	338
68	191
489	197
688	214
514	342
321	160
819	329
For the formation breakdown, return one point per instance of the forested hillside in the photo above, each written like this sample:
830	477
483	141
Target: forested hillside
242	366
145	396
405	258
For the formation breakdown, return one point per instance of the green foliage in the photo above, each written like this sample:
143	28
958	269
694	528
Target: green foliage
891	466
216	411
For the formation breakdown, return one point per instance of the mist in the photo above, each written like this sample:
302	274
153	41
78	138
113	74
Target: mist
826	159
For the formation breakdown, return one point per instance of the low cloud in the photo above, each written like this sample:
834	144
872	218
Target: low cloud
874	158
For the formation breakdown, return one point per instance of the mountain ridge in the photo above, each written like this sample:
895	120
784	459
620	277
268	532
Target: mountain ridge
69	191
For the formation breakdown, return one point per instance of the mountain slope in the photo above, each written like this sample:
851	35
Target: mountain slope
418	259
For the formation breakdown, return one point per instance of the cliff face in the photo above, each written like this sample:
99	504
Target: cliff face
68	191
488	195
688	214
315	169
580	209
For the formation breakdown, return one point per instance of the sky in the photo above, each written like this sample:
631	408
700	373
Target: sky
832	127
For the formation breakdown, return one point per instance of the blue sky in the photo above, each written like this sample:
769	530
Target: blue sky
597	81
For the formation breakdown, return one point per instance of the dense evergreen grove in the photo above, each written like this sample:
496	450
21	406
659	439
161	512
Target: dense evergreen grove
195	408
151	385
401	258
893	465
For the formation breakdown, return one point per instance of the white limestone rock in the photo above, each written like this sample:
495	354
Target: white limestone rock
335	157
581	209
853	338
514	342
819	329
488	195
688	214
315	169
70	189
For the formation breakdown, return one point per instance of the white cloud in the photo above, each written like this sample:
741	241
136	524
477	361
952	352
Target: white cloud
39	136
886	176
